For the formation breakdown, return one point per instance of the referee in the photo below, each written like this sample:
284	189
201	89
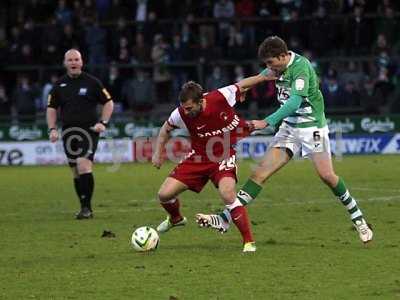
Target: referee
77	95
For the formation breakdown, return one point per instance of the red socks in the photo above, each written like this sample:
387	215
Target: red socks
172	207
241	219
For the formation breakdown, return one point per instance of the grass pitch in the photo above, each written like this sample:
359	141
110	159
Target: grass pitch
307	248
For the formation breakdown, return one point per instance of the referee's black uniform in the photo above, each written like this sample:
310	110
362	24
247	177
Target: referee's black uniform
77	99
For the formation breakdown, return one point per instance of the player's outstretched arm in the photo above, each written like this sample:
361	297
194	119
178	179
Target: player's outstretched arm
249	82
162	139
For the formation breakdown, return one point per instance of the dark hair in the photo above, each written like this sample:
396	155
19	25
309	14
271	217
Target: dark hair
272	46
191	90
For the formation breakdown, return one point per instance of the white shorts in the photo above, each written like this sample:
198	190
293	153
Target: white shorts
302	141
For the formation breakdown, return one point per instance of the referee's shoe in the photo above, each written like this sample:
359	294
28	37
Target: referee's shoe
85	213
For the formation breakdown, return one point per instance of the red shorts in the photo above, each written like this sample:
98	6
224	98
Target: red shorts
196	174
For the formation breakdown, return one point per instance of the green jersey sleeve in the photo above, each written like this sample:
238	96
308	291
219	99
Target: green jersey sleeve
300	80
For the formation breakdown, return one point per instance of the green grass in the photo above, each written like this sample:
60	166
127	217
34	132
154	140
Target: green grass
307	248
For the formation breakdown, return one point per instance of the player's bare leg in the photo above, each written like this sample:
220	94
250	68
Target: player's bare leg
323	165
167	195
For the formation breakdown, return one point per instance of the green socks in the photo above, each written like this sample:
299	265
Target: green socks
347	200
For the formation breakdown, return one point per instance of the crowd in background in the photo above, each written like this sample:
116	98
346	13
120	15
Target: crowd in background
143	50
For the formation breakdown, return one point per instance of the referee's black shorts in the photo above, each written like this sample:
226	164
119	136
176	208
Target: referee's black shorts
79	142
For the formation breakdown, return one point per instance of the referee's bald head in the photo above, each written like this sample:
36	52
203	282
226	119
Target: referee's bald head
73	62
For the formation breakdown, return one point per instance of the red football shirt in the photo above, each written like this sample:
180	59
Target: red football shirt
217	128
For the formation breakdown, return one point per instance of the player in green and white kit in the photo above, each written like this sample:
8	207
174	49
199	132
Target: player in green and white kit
303	132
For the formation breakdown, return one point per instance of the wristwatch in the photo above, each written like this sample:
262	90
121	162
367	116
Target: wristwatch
105	123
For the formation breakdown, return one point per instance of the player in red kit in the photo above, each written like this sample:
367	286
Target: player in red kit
214	128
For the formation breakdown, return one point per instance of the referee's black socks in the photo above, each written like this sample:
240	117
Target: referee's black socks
77	185
86	188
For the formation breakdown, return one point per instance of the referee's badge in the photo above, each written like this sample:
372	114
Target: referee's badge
82	91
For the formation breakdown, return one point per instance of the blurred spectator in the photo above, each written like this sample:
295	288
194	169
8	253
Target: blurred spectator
388	24
121	30
117	11
3	46
350	97
114	83
15	45
381	45
26	56
141	51
5	107
245	8
188	37
161	74
96	45
331	90
24	99
223	11
369	100
62	13
51	41
141	10
356	30
138	93
69	39
151	28
43	100
237	49
102	8
88	11
217	79
206	53
321	30
352	73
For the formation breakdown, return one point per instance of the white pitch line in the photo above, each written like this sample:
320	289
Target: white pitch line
374	189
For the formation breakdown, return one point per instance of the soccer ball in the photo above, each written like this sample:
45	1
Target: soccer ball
145	239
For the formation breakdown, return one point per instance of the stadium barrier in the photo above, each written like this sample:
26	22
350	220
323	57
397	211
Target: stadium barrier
140	149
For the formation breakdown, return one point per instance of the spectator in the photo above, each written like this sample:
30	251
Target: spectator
62	13
217	79
161	74
116	33
141	51
26	56
138	94
5	108
69	39
351	96
206	53
352	73
102	8
321	32
51	44
24	99
357	27
369	100
43	101
331	90
15	45
381	45
96	38
117	11
114	83
237	50
223	11
388	24
245	8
